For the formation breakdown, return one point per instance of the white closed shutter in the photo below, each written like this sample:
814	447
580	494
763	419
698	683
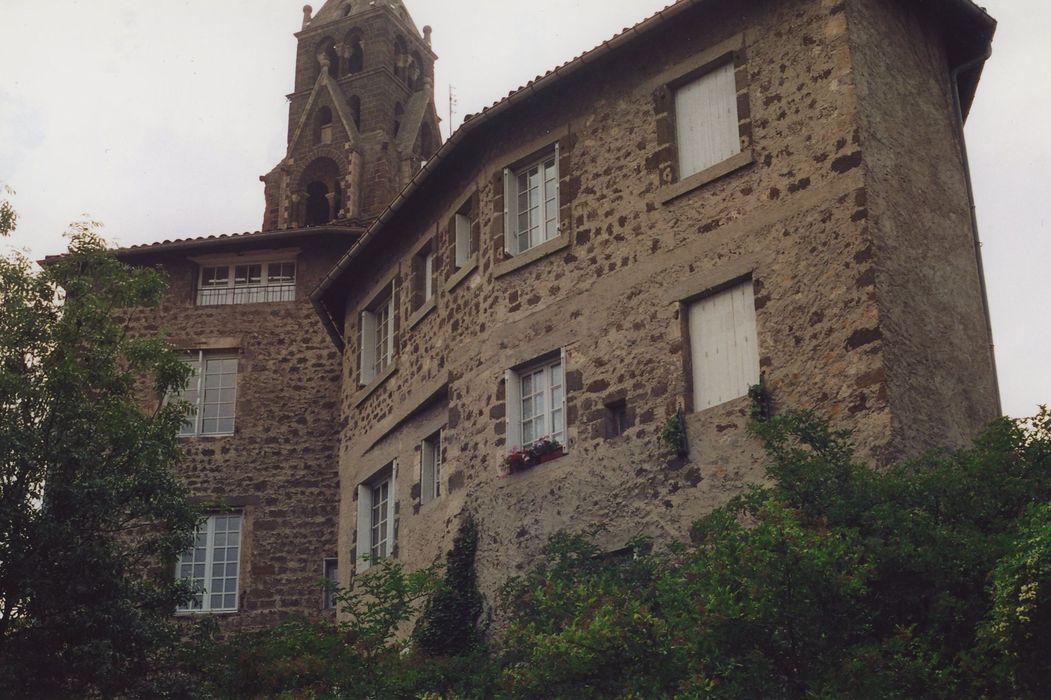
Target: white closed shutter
510	208
463	240
367	371
513	414
364	543
724	351
706	123
392	500
426	471
558	195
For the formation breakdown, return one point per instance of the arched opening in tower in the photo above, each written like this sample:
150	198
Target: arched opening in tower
355	53
324	195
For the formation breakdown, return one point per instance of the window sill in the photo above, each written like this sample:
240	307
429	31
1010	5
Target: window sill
375	383
205	436
531	256
422	312
697	180
462	274
197	613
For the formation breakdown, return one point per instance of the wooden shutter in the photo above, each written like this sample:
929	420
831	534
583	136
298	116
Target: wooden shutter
368	347
390	321
724	351
364	543
463	239
426	478
706	123
391	502
510	206
558	192
513	414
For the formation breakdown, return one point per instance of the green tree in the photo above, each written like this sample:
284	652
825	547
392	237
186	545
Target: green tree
90	514
449	623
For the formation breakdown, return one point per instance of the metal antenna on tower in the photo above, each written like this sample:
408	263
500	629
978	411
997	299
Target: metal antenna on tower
452	103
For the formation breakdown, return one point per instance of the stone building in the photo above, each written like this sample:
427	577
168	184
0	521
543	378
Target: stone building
729	190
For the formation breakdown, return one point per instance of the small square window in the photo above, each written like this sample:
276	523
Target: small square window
531	204
616	418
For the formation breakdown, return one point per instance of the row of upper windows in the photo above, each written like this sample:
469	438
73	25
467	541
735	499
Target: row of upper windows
707	133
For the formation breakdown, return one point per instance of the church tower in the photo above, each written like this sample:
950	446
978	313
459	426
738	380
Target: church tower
361	120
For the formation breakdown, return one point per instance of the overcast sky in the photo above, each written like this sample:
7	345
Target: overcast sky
157	118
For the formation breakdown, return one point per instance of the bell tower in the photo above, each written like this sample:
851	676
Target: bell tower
361	120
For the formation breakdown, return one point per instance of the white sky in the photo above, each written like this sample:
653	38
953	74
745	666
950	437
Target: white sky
157	118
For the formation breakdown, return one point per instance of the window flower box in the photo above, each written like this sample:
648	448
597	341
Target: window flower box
542	451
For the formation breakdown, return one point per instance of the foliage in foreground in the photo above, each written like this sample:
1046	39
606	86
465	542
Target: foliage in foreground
87	500
930	579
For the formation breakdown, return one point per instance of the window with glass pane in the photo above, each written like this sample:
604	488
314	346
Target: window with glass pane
378	520
251	283
431	467
212	395
532	209
212	564
332	580
377	336
542	408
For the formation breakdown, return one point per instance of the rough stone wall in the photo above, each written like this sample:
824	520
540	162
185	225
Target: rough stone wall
280	466
609	297
939	368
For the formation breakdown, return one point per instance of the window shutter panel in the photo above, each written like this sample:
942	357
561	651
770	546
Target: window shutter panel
392	499
706	122
364	526
368	347
565	393
513	414
390	321
463	239
509	233
558	191
426	479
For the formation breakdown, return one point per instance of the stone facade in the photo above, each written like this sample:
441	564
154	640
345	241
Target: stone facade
279	467
818	212
844	212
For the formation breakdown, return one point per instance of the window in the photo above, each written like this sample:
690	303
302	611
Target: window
431	467
331	580
723	348
212	394
536	403
464	246
376	518
531	204
706	123
251	283
616	418
377	336
212	565
423	276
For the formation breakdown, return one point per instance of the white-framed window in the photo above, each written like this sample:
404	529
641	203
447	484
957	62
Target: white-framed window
212	565
376	498
463	244
428	275
331	567
706	123
211	393
423	275
724	353
431	467
536	403
531	204
247	283
377	336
